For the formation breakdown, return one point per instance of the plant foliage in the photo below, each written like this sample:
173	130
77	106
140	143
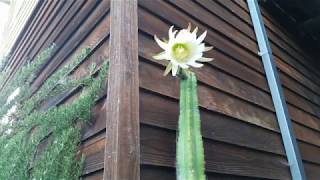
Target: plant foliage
42	144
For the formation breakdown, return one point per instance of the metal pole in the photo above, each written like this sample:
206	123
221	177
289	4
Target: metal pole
284	121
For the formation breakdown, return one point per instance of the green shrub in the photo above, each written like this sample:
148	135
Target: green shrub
42	144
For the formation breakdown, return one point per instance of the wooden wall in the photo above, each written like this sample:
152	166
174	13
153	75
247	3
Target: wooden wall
300	81
72	25
239	125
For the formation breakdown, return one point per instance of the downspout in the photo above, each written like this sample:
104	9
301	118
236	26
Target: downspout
284	121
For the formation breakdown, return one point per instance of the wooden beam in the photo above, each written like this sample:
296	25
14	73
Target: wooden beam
122	150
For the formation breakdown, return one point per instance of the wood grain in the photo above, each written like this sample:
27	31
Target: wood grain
166	173
161	111
231	83
158	148
122	127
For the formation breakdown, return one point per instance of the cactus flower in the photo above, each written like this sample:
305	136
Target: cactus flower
183	49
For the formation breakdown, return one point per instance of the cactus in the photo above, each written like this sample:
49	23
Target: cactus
190	153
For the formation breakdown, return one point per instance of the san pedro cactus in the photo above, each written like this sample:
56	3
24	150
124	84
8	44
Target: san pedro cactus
184	50
190	154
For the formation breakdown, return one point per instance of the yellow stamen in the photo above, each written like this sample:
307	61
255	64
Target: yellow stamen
180	52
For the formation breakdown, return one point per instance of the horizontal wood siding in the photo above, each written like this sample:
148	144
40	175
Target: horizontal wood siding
241	134
72	25
239	125
300	80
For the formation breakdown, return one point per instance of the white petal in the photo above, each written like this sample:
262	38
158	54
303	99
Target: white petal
160	56
172	37
196	65
184	66
201	37
171	33
200	47
174	69
195	57
168	69
162	44
195	31
207	48
189	27
203	59
183	36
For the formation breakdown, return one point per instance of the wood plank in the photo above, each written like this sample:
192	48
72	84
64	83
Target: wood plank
210	98
284	34
299	89
97	122
222	62
225	83
158	148
220	11
200	15
300	62
222	81
236	10
303	118
309	153
218	101
61	34
38	9
304	105
278	45
93	151
151	23
99	54
161	111
38	29
233	8
291	61
73	44
312	171
157	29
231	85
122	150
288	55
60	22
274	32
166	173
33	27
48	22
215	8
98	175
306	134
13	61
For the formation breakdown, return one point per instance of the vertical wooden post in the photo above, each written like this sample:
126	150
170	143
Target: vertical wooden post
122	127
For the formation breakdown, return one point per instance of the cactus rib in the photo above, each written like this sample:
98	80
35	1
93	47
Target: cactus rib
190	153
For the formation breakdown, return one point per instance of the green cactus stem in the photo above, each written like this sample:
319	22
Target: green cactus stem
190	153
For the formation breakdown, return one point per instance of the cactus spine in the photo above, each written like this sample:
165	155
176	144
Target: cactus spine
190	153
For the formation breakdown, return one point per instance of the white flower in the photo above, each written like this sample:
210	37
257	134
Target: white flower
183	49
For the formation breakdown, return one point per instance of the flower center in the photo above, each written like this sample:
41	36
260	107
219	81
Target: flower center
180	52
